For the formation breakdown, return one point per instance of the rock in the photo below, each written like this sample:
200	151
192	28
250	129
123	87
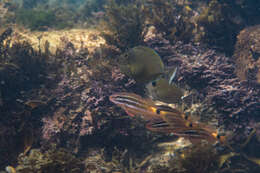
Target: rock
58	39
247	54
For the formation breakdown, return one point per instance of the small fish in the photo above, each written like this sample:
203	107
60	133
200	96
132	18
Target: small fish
253	159
142	64
188	8
10	169
177	123
164	90
165	119
34	103
223	158
195	135
135	105
186	130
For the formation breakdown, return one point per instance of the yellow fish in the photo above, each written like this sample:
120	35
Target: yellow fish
163	89
142	64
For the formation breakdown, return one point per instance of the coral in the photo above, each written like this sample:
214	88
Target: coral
53	160
247	54
124	25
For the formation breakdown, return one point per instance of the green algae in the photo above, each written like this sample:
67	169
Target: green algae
35	19
163	15
124	25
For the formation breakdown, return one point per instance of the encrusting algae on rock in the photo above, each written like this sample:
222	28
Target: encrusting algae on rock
80	38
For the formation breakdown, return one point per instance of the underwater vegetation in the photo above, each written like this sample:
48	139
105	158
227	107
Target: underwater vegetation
221	23
124	25
170	18
22	71
36	20
34	66
91	6
53	160
222	20
43	19
202	158
29	4
62	99
247	54
213	22
212	75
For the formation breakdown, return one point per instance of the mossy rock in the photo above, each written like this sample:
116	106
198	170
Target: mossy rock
247	54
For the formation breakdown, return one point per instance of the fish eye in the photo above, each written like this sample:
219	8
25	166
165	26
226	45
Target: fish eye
164	77
186	116
158	111
154	83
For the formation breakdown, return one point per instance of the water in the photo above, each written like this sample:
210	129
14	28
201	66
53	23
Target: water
66	105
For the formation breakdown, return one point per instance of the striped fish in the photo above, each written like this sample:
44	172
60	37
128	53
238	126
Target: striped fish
165	119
